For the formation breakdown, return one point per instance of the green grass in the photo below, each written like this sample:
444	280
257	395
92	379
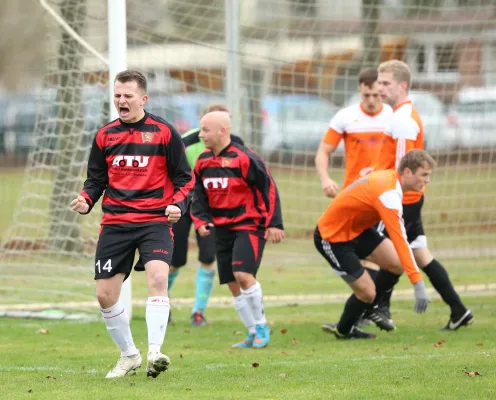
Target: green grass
459	208
284	271
304	363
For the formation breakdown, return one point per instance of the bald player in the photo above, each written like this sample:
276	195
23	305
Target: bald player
236	194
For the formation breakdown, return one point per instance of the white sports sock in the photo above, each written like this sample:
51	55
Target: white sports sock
117	322
244	310
157	316
254	298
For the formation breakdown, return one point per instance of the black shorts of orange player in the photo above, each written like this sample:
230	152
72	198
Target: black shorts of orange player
344	257
237	251
117	247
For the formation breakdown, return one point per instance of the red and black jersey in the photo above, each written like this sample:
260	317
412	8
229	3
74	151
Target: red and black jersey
142	167
235	190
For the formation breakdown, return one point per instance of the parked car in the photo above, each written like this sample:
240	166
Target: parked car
183	111
473	113
439	132
289	122
295	122
23	114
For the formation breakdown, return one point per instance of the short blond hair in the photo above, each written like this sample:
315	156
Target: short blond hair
415	159
215	107
400	70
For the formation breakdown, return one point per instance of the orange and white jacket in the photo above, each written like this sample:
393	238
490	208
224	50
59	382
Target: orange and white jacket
363	134
405	132
377	196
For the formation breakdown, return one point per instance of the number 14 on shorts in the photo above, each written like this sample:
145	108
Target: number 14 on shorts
106	267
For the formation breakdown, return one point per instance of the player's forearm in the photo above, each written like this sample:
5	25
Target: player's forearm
276	220
405	255
199	214
322	165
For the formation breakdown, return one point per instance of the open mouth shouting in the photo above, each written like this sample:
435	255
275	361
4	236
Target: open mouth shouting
124	112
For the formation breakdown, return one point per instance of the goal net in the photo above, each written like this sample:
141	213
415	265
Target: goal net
285	68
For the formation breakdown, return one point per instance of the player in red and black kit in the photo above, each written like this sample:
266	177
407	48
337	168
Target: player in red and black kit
140	162
235	192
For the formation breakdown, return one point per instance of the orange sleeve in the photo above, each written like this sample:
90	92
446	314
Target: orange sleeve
390	209
332	137
386	159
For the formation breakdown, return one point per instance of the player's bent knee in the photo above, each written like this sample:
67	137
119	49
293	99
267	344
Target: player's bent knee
157	273
245	279
108	290
367	295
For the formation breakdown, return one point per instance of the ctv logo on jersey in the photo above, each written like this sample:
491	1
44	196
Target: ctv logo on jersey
215	183
131	161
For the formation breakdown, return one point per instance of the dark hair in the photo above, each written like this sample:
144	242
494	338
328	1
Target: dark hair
215	107
367	77
415	159
130	76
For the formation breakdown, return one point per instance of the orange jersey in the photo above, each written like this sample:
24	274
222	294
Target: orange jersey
406	132
363	134
375	197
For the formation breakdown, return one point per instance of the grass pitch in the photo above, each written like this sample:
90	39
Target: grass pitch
302	362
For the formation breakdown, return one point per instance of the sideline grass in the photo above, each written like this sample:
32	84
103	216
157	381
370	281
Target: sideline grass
304	363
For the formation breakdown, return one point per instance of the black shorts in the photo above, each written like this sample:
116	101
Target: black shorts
344	257
238	251
206	245
117	247
412	217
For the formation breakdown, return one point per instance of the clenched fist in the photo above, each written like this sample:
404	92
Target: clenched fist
173	212
80	205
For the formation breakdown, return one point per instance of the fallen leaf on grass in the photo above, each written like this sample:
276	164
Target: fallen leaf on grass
480	344
255	365
187	331
181	355
50	377
282	375
475	373
294	341
83	367
438	344
284	353
284	330
42	331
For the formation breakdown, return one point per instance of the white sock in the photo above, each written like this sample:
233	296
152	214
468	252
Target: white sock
157	316
254	298
244	310
117	322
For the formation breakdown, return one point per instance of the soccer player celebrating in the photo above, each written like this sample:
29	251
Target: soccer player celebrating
206	245
406	132
140	162
235	193
345	234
